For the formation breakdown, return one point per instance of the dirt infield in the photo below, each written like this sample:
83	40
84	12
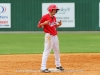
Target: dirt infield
29	64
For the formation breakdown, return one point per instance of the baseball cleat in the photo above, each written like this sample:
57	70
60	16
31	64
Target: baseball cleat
60	68
46	71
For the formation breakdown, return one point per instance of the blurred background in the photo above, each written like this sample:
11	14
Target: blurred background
25	14
79	32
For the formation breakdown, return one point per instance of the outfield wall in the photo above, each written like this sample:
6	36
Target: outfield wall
25	14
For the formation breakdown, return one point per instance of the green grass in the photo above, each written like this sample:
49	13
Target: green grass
29	43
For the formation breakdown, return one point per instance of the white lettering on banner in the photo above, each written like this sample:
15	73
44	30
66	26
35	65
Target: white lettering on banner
5	15
66	13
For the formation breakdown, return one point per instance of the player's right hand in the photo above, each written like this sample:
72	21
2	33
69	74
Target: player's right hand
46	22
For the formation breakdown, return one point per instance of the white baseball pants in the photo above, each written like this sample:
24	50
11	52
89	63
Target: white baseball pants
50	42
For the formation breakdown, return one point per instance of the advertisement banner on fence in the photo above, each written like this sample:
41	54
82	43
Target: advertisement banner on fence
5	15
66	13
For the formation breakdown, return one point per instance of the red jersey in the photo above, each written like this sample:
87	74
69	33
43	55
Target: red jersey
51	27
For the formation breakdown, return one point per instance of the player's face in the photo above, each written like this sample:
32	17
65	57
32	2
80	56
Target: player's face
54	11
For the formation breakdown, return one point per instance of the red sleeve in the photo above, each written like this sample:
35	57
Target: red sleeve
41	21
56	23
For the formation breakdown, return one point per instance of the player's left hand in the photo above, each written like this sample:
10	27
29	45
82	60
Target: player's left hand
59	23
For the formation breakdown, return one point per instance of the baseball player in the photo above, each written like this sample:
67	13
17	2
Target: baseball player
48	23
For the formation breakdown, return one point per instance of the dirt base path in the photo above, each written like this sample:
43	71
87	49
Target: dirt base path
29	64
